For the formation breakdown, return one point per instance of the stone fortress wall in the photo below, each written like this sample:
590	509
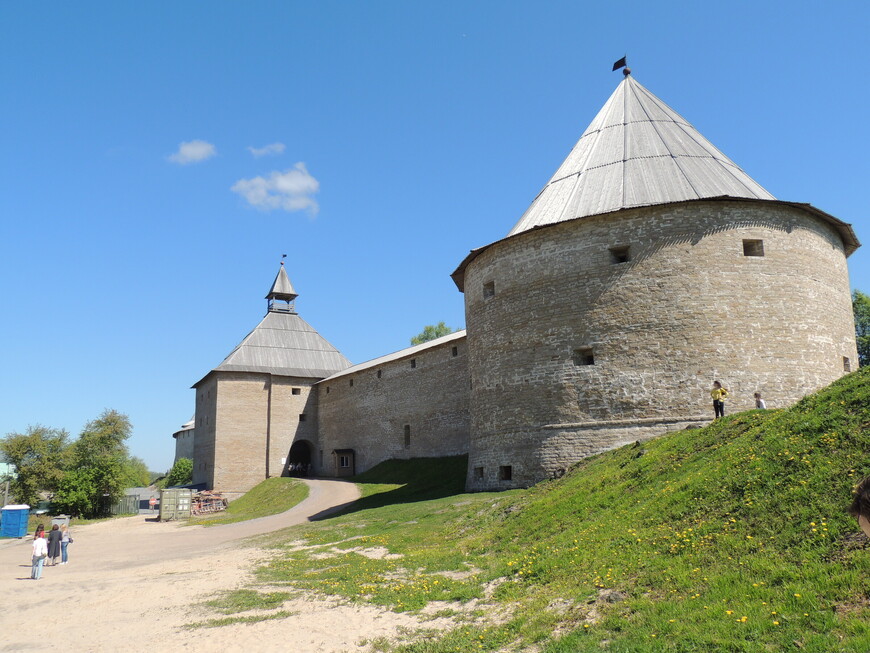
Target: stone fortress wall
246	424
184	443
649	266
410	405
588	334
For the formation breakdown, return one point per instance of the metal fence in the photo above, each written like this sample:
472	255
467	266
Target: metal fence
126	505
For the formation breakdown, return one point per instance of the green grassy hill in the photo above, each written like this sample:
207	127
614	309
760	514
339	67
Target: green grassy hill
734	537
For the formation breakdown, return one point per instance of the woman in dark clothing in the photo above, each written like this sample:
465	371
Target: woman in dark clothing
54	536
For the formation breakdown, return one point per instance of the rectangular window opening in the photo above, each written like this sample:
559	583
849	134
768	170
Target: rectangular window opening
489	289
327	389
407	436
753	247
478	473
454	352
379	373
344	461
301	417
847	364
584	356
619	254
413	363
505	473
296	391
351	383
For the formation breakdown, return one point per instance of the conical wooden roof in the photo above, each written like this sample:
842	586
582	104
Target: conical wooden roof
282	288
636	152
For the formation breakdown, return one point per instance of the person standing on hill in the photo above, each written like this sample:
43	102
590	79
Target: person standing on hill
860	508
54	536
40	550
719	395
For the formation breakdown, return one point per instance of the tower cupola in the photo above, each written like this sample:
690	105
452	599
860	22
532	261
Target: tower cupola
282	295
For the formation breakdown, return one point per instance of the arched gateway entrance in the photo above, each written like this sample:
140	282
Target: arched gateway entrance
299	460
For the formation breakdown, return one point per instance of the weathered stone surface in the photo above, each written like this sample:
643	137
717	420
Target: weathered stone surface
576	352
570	350
246	423
428	403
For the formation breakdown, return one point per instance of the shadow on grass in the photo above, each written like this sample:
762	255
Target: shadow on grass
419	479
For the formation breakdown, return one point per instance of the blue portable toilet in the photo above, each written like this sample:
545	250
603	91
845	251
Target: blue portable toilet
14	523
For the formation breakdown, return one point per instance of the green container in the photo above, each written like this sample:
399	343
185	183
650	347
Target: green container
175	503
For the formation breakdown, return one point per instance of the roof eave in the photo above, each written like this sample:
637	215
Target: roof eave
847	234
407	352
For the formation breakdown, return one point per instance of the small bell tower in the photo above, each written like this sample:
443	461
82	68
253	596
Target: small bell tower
281	296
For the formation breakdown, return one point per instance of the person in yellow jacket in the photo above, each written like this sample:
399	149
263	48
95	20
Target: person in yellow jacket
719	395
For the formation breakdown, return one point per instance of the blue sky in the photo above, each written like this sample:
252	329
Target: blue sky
375	143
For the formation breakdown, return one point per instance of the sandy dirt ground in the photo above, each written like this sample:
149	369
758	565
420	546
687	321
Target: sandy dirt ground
133	584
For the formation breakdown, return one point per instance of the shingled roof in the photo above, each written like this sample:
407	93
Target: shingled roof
639	152
283	343
636	152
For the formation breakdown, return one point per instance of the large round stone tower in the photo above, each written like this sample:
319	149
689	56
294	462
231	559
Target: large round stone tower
649	266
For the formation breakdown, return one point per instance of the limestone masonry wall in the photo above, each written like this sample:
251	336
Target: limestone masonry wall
587	334
413	407
258	418
204	421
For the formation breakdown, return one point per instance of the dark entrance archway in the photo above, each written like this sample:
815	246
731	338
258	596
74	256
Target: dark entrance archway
299	459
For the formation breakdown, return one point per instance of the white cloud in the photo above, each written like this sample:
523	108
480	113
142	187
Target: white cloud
291	190
272	148
193	152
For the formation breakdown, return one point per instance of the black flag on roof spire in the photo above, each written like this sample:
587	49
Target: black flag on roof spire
619	64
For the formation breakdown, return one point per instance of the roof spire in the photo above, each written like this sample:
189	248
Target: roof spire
282	290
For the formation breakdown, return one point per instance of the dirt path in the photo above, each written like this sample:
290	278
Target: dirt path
133	584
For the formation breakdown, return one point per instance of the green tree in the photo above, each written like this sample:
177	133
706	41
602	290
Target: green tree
40	455
861	308
136	473
77	494
430	332
181	473
97	477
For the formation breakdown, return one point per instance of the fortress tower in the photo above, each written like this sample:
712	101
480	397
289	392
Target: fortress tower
647	267
256	412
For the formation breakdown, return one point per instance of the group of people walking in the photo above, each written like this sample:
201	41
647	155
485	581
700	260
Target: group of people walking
299	469
719	394
53	546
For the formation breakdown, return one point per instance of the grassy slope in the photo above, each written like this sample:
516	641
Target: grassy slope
269	497
728	538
